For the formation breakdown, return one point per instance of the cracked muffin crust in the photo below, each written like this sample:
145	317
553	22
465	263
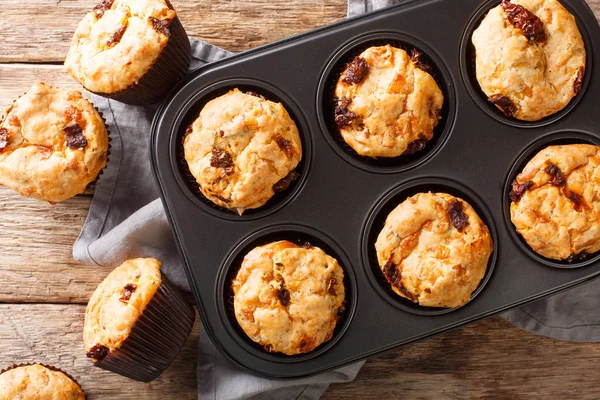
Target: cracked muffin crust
117	304
288	298
36	382
118	42
434	250
53	143
242	149
530	58
387	103
555	205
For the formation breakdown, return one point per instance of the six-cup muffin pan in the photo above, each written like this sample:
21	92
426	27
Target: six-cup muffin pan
341	200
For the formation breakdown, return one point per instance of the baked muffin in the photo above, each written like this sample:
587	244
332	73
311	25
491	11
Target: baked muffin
434	250
53	143
288	298
136	322
555	206
530	58
387	103
131	50
242	149
38	382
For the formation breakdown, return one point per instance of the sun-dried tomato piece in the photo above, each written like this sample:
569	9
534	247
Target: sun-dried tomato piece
392	274
506	105
3	138
102	7
427	290
285	183
577	85
98	352
331	286
117	36
525	21
356	71
457	216
284	145
577	257
251	93
518	190
74	136
268	347
577	199
128	290
557	177
223	199
283	295
307	246
343	116
416	146
417	57
222	159
161	25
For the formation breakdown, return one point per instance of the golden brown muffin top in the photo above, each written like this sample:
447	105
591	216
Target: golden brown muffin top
242	149
532	70
434	250
555	206
117	43
387	103
117	304
53	143
288	298
36	382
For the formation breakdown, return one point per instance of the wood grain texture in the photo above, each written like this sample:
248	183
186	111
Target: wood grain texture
41	30
53	334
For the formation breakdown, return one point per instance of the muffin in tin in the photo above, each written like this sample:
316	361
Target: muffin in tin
136	322
434	250
53	143
554	202
387	103
35	381
530	58
288	298
131	50
242	149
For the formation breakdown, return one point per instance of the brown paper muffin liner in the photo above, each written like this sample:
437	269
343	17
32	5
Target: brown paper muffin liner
50	367
156	339
171	65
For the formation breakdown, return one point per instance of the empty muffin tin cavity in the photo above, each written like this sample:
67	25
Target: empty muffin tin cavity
469	77
300	235
553	139
191	111
376	221
326	104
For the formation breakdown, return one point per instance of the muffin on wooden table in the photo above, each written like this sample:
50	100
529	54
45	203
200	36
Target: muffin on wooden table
242	149
288	298
555	206
38	382
53	143
136	322
133	51
434	250
387	103
530	58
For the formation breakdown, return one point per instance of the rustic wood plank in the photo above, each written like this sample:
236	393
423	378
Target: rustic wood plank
52	334
41	30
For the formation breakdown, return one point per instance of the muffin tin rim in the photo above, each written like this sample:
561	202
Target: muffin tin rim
467	195
474	89
447	81
573	136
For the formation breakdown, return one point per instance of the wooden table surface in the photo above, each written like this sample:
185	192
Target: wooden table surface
43	291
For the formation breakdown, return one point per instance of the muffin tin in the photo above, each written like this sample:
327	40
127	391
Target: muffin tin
341	200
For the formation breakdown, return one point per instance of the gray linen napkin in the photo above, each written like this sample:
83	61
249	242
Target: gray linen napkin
126	220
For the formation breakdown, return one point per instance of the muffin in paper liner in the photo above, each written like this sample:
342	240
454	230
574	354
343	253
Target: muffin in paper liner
57	179
78	395
166	70
155	337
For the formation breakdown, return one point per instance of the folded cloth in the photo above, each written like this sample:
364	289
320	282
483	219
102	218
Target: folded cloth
126	220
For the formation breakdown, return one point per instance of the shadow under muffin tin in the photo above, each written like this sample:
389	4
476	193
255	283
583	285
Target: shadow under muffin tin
341	199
